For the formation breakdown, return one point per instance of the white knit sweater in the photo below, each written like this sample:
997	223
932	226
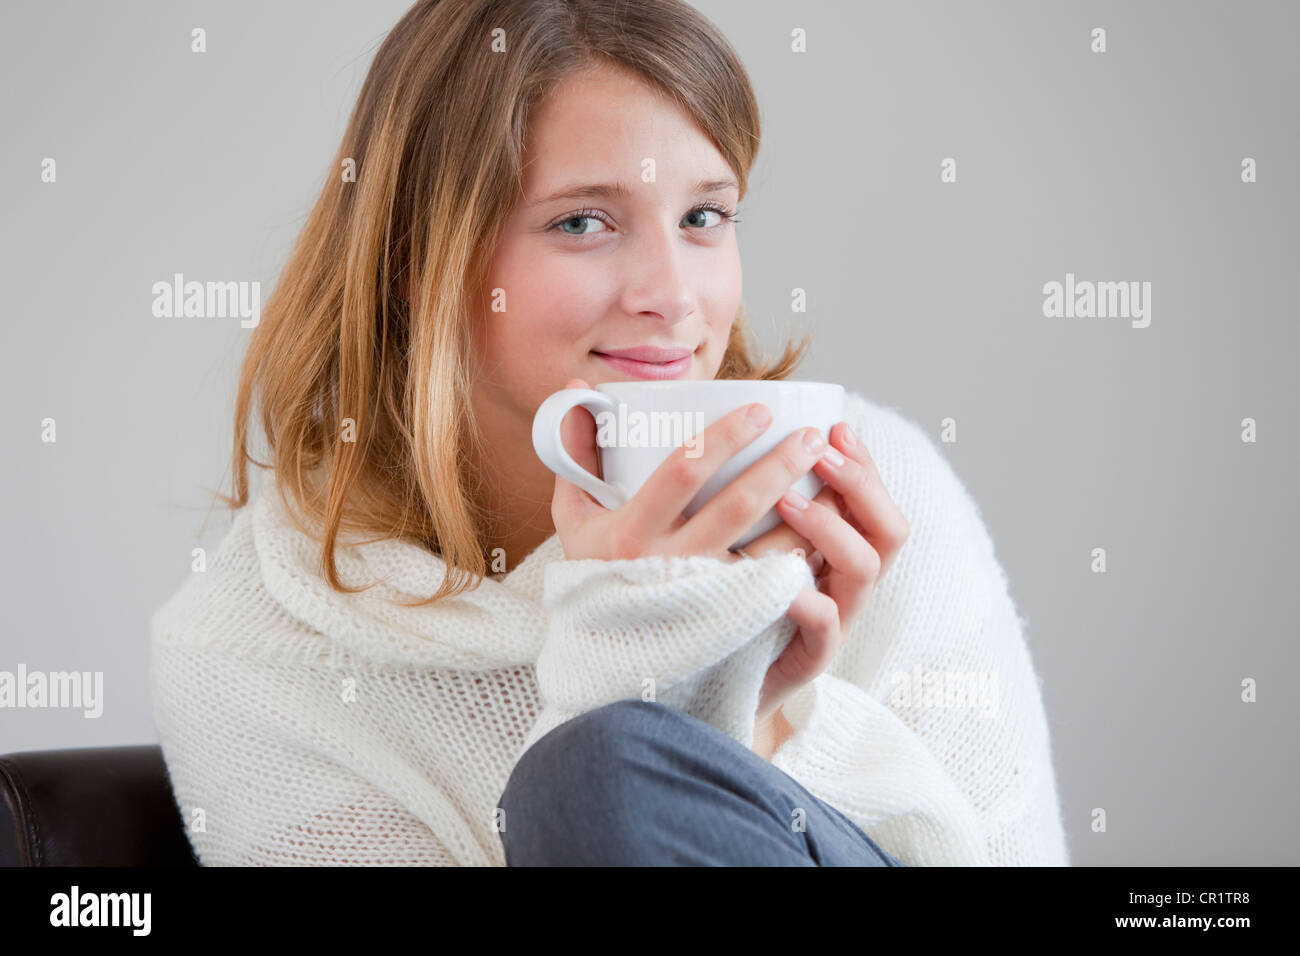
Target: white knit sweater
305	726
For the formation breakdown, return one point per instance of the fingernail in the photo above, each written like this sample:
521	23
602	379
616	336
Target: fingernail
759	416
813	440
796	500
834	457
849	437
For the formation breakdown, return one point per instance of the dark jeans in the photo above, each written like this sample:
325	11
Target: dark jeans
638	783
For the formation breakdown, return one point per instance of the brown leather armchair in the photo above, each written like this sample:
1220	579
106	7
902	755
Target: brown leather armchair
90	806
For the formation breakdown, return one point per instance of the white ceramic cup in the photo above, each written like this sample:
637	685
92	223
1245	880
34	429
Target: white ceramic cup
640	423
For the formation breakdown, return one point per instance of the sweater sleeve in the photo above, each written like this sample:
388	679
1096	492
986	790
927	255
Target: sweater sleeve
695	633
851	751
929	729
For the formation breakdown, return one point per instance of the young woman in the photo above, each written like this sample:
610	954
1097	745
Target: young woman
418	646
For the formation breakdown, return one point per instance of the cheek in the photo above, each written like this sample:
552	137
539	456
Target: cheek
720	295
552	302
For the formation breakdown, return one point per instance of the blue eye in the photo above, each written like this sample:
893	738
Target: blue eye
727	215
577	217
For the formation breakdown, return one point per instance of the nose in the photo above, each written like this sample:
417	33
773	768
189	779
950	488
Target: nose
660	280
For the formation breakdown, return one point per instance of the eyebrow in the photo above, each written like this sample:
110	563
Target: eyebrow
622	191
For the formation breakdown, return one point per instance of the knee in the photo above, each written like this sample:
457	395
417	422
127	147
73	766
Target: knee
592	746
616	729
589	761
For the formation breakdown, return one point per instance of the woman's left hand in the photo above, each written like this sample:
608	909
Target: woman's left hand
858	531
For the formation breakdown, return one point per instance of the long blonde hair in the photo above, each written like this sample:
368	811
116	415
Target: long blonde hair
364	391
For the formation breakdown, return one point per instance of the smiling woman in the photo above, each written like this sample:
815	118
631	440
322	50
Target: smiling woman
541	187
647	286
546	193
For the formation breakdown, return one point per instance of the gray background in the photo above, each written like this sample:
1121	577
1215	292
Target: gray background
1072	433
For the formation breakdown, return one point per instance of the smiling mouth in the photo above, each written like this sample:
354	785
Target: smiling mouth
650	354
622	358
639	368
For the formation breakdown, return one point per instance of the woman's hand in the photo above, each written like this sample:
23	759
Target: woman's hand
651	522
849	534
856	527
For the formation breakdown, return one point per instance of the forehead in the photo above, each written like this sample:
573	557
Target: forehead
601	125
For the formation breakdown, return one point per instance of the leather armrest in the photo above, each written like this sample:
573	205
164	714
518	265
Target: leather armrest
90	806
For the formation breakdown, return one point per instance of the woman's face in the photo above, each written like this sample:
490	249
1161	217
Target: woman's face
576	275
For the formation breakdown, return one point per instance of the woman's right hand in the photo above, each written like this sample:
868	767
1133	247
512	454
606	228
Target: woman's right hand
651	521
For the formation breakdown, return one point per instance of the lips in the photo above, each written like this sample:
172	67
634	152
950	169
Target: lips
650	362
654	354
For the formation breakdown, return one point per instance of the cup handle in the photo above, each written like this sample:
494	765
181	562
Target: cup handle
549	445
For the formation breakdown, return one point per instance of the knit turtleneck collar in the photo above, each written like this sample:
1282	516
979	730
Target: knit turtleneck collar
498	624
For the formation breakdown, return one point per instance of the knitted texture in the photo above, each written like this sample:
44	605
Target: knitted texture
305	726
